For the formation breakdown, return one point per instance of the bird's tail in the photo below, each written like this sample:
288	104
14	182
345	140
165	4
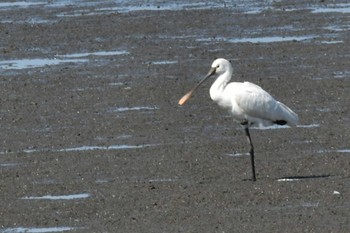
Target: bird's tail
288	115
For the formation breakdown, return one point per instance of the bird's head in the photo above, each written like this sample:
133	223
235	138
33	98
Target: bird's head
219	66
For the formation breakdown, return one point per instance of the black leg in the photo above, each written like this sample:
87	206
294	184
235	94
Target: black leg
251	151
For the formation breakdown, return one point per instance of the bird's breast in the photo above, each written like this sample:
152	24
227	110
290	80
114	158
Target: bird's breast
221	100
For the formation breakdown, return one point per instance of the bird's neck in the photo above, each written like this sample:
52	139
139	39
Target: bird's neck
219	85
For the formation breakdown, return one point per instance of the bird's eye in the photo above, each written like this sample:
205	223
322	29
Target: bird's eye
217	66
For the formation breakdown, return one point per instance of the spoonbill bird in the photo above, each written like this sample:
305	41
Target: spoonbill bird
248	103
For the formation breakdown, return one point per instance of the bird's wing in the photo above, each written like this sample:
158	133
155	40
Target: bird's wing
256	103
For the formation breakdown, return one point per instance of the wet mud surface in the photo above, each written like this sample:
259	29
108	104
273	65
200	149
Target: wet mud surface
92	138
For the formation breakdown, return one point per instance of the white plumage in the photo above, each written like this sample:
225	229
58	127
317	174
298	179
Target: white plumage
248	103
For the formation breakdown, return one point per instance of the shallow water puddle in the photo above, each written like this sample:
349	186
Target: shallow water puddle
333	150
112	147
308	126
124	109
271	127
332	42
35	63
288	179
126	9
115	84
46	182
323	109
261	127
333	8
9	165
337	28
60	197
20	4
100	53
133	6
91	148
159	6
162	180
38	229
310	204
341	74
166	6
165	62
102	181
302	142
343	150
269	39
59	59
237	154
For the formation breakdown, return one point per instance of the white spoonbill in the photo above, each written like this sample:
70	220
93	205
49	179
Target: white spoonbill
248	103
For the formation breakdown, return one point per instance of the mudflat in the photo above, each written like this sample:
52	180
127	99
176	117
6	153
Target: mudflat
93	140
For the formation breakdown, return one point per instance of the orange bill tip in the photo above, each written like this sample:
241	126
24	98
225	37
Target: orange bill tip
183	100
